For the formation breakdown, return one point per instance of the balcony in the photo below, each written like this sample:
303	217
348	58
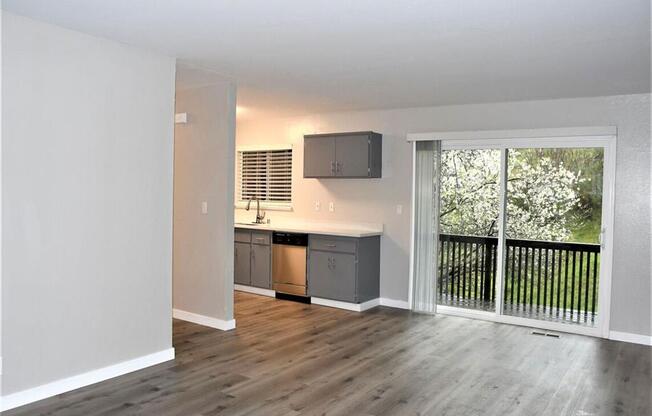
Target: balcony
545	280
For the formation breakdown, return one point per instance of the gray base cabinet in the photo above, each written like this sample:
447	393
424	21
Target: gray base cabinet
261	266
344	269
242	264
343	155
332	276
253	258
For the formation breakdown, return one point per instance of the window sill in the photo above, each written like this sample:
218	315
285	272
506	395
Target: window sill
267	206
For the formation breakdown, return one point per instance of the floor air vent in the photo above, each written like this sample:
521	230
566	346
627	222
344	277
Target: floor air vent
545	334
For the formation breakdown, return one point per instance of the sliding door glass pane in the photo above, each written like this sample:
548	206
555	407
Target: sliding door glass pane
470	181
554	207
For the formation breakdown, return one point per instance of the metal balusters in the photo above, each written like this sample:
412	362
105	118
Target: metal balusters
572	296
530	276
518	280
586	289
525	278
595	285
464	292
476	287
543	279
453	273
579	288
494	262
483	247
559	283
565	283
449	269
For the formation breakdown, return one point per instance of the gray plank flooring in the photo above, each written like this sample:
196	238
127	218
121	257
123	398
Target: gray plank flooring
287	358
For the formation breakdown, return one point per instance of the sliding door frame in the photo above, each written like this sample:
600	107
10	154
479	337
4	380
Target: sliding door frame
601	137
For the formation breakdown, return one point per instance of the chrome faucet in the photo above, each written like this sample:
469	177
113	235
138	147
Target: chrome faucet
259	217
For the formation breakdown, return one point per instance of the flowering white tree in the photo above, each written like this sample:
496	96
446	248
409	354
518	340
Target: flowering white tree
540	194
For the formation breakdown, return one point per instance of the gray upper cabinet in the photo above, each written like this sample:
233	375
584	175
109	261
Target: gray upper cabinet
351	155
318	157
342	155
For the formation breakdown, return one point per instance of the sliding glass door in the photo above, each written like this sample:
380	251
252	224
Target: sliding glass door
521	230
553	223
468	222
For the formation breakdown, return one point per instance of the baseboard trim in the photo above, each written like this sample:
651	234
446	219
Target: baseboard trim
355	307
393	303
54	388
255	290
629	337
195	318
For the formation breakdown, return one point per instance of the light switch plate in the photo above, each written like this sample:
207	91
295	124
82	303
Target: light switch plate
317	205
399	209
181	118
331	206
204	207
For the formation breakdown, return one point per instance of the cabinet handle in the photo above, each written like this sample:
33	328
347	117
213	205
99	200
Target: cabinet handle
259	239
338	167
332	167
331	245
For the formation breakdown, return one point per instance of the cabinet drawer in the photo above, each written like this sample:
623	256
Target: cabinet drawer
261	238
242	236
339	244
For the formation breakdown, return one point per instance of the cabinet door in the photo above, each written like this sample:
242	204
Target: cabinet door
352	156
260	266
242	264
332	276
318	157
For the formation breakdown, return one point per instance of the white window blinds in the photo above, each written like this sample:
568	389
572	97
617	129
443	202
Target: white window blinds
266	175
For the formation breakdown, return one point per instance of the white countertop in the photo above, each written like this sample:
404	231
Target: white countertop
334	229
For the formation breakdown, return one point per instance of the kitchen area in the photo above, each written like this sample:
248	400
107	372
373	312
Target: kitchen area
332	263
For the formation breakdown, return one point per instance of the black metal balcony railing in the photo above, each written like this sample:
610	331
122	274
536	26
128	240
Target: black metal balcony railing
542	280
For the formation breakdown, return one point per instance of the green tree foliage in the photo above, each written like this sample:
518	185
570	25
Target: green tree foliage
553	194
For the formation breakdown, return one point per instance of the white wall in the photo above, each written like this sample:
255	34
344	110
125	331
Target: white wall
87	148
1	197
375	200
204	171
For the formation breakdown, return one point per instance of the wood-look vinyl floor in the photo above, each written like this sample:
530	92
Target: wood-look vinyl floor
288	358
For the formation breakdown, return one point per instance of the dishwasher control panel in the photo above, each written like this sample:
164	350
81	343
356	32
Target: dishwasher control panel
290	239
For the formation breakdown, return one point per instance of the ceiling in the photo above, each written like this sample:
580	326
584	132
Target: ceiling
298	56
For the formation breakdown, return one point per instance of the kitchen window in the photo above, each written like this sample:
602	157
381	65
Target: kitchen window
265	174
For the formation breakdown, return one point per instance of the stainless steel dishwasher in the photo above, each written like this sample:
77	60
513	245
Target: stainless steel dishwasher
289	263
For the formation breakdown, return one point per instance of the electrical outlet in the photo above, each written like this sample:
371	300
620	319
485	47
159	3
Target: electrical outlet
399	209
331	206
204	207
317	205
